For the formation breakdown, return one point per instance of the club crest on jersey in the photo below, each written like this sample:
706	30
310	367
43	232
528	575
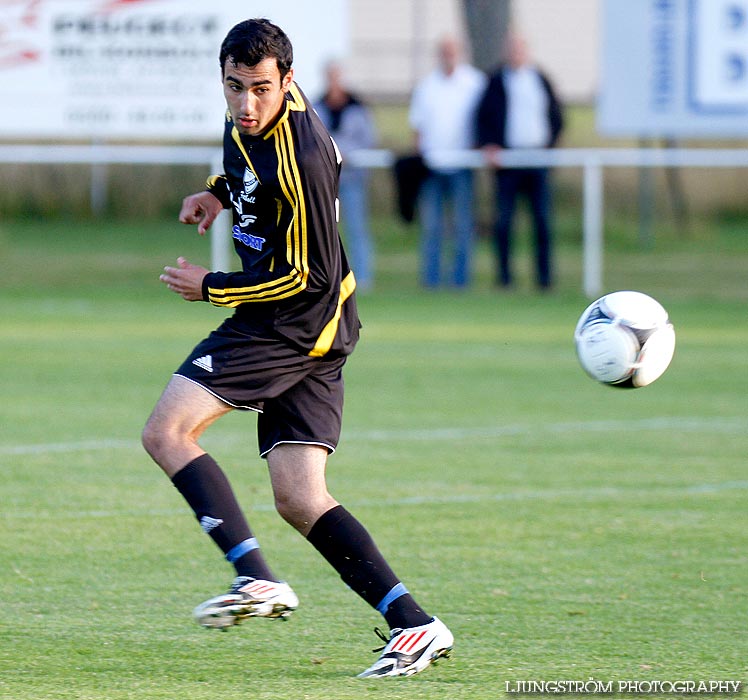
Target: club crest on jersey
250	181
253	242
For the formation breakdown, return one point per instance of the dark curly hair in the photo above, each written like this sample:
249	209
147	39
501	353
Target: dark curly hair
254	40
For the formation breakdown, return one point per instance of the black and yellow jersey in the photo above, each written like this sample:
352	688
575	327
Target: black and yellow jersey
282	189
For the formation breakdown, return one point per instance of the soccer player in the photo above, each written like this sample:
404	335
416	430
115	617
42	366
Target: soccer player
280	354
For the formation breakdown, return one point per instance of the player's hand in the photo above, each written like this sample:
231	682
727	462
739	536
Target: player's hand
201	209
492	153
185	280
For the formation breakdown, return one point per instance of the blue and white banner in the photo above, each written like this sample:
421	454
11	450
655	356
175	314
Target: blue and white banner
674	68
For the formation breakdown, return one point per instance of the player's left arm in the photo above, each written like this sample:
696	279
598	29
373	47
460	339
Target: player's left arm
185	280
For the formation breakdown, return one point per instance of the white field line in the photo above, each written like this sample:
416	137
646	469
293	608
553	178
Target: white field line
570	495
74	446
720	425
730	425
735	425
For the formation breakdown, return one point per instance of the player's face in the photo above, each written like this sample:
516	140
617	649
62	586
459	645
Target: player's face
255	94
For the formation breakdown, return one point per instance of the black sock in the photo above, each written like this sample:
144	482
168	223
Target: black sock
348	547
208	492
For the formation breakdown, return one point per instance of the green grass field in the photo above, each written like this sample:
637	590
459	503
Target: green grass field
562	529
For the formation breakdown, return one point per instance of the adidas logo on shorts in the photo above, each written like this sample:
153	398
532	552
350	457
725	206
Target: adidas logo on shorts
205	362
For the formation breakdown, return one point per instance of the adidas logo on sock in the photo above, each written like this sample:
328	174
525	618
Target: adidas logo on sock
205	362
207	523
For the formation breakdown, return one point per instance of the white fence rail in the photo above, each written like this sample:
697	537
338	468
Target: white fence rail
592	161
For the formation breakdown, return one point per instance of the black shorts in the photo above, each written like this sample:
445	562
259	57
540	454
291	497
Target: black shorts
299	398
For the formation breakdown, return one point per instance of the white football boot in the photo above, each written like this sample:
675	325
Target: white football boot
411	650
248	597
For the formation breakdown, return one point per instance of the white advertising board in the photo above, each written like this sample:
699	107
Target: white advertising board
140	69
674	68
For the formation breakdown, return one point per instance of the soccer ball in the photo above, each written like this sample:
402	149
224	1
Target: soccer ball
625	339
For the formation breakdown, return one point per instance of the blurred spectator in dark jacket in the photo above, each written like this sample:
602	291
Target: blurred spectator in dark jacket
520	110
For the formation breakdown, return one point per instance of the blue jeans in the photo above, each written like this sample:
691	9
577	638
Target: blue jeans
446	208
354	214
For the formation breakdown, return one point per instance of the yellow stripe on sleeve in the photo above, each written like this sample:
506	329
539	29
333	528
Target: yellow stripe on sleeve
327	337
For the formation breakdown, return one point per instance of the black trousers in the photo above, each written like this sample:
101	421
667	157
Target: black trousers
534	185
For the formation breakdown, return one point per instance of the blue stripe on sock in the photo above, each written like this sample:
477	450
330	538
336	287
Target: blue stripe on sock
395	592
241	549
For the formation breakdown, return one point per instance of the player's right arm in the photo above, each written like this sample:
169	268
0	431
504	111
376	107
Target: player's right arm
200	208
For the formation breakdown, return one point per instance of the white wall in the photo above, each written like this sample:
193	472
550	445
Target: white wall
392	41
563	37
